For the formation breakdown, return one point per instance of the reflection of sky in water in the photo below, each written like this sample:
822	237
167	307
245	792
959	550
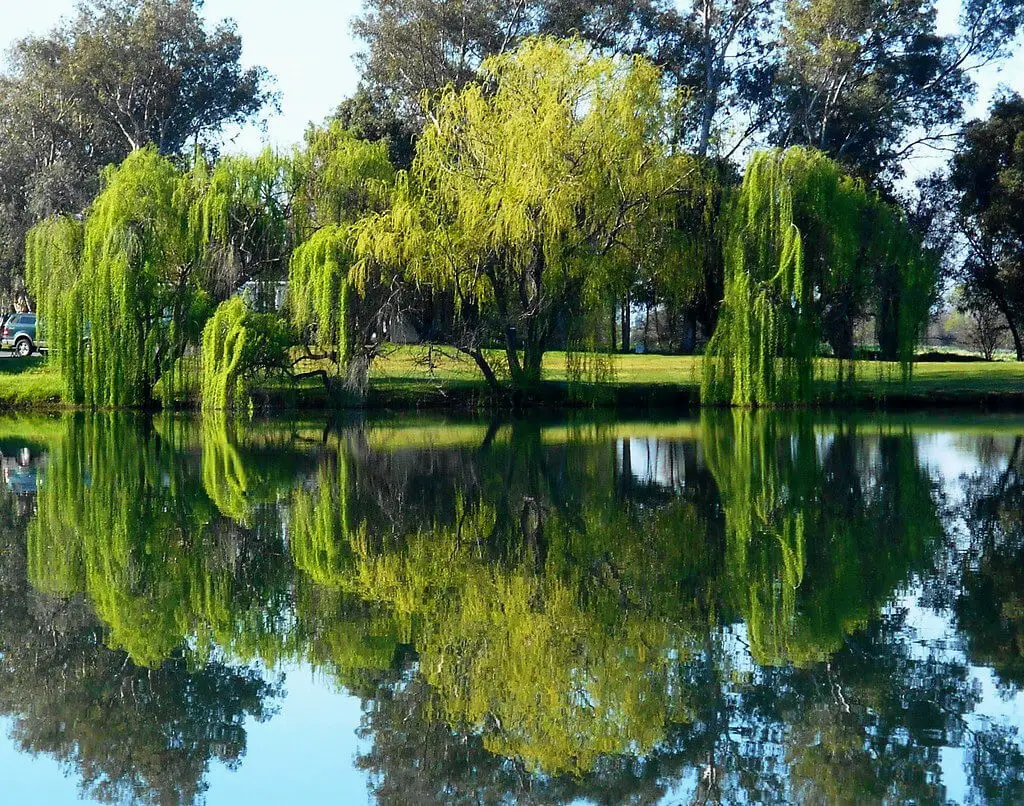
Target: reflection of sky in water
948	458
306	752
302	755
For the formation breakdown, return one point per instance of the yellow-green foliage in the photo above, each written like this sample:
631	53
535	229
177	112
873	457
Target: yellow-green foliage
239	208
234	478
338	178
53	253
122	520
765	532
801	233
528	187
320	536
238	345
541	656
224	344
157	244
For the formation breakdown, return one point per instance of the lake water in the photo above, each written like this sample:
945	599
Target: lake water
738	608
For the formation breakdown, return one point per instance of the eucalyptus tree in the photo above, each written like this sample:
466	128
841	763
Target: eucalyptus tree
418	48
528	189
804	237
153	72
870	82
723	57
116	76
987	178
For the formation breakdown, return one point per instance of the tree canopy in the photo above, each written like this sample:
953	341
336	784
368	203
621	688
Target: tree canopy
803	237
522	197
988	181
116	76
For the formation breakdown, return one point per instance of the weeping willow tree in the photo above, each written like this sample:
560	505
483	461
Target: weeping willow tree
816	540
525	188
338	178
239	347
53	255
905	284
124	300
804	247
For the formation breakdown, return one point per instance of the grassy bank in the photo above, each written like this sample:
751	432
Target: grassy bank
416	378
28	383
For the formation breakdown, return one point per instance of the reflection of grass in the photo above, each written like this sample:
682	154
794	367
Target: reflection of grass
410	376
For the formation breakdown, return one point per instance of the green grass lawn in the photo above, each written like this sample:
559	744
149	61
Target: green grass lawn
872	380
28	383
406	376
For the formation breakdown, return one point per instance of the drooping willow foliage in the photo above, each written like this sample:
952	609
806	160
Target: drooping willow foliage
338	178
53	255
805	565
904	286
158	245
804	240
123	519
113	334
528	190
590	368
240	218
238	347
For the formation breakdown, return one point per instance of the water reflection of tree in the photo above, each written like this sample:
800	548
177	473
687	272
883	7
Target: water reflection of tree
123	517
990	605
131	734
539	544
518	606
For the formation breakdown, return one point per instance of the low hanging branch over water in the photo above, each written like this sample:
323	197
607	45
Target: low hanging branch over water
808	245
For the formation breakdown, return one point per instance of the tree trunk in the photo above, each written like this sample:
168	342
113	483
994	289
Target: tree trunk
1018	345
515	370
626	324
485	368
1004	309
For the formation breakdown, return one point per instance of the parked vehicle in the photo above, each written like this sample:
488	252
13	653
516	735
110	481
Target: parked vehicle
19	335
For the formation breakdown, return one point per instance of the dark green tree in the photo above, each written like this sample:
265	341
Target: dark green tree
869	82
988	179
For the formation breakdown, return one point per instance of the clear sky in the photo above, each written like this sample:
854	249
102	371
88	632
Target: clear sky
308	46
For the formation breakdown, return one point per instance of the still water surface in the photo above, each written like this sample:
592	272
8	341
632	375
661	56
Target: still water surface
740	608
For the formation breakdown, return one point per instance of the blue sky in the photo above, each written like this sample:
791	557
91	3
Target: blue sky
308	46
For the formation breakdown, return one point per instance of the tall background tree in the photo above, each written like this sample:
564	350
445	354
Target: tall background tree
117	76
987	180
870	82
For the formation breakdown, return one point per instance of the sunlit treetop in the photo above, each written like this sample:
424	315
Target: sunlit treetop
526	183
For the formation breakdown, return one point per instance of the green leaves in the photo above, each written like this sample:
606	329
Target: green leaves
530	189
125	293
238	346
805	239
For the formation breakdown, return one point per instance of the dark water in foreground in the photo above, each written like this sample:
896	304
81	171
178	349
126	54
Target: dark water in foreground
738	608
